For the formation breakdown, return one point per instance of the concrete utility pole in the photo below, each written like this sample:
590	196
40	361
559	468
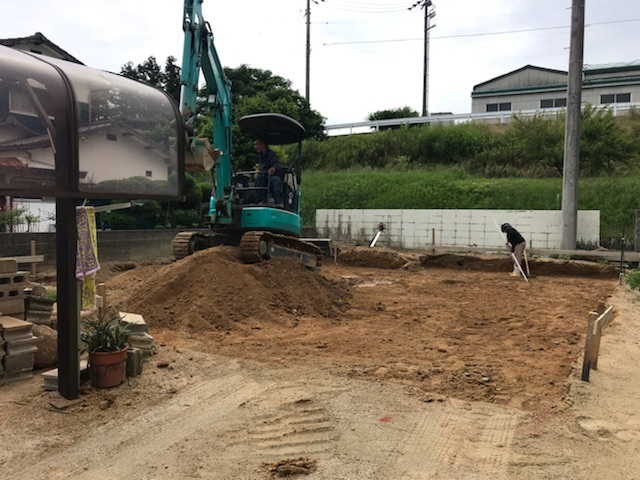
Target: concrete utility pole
429	13
571	165
308	70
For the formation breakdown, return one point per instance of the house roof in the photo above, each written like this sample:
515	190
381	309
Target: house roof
39	39
609	66
43	141
518	70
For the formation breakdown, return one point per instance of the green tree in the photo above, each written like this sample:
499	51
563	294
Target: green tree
402	112
254	90
151	73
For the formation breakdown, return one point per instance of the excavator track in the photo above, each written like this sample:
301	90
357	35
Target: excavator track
186	243
258	246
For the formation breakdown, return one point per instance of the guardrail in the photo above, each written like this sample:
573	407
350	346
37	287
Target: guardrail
452	119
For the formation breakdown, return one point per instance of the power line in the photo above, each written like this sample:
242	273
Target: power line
350	6
481	34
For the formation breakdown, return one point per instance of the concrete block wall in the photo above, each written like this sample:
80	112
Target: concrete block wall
416	229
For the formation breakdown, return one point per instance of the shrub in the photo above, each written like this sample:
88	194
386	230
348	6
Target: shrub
633	278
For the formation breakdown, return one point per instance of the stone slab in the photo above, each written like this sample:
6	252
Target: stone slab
11	307
44	304
50	377
13	328
16	363
15	376
141	340
8	265
21	347
135	320
38	318
38	291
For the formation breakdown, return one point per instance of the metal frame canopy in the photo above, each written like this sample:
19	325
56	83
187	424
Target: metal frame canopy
72	132
67	130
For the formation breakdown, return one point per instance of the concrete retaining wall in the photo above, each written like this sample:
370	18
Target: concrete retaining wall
417	229
113	245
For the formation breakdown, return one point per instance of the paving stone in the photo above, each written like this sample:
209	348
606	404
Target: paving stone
136	321
13	328
21	347
16	363
15	376
50	377
12	307
8	265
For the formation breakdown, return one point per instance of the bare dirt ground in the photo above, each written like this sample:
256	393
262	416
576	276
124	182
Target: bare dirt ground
385	365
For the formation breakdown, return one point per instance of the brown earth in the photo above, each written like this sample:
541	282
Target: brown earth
455	325
456	335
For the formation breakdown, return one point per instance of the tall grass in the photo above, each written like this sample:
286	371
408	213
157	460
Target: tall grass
617	198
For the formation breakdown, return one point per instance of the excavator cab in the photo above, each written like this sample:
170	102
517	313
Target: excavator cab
275	129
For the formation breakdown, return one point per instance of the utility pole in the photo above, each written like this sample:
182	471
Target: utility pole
308	70
429	13
571	164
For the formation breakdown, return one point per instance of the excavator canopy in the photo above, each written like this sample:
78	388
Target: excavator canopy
274	128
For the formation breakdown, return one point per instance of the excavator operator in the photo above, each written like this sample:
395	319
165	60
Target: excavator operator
270	173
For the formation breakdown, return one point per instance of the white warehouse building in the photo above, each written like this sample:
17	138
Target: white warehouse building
536	88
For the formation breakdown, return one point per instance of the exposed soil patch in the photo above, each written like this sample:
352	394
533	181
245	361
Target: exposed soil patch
470	331
275	371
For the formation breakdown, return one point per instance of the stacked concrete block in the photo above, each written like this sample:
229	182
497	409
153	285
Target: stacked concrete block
19	348
12	285
38	307
140	338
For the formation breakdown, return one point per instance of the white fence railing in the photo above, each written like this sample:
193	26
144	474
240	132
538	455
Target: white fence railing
452	119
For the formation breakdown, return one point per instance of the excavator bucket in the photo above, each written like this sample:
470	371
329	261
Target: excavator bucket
200	156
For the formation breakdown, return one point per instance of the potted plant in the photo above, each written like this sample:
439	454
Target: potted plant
106	338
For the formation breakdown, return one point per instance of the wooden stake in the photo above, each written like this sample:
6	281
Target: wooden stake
33	253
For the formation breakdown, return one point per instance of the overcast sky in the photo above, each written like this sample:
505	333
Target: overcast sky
366	55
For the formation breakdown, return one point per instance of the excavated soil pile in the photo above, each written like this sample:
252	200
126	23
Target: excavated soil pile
213	290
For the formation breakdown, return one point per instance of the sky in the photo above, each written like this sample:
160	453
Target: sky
365	56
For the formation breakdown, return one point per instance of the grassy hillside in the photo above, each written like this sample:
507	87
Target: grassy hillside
617	198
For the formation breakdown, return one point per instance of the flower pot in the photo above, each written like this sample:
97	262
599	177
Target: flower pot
108	369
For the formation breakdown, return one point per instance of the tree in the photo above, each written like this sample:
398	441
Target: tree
255	90
149	72
403	112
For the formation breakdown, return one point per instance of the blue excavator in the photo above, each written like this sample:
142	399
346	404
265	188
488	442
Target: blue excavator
261	229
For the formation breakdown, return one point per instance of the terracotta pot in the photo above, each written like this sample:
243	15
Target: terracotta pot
108	369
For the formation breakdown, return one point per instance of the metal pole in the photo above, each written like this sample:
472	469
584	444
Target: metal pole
68	299
571	166
425	83
308	48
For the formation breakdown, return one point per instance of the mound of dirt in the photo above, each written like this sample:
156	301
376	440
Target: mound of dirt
213	290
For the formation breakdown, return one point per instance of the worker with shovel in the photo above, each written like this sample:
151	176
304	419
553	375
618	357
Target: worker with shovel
516	243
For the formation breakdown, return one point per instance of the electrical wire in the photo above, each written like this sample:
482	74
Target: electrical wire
358	7
481	34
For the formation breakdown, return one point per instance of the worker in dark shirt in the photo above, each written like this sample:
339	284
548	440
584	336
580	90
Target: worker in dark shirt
516	244
270	173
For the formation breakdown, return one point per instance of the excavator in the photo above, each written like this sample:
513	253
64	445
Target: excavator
261	230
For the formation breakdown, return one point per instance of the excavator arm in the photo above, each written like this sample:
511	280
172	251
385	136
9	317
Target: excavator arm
200	55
